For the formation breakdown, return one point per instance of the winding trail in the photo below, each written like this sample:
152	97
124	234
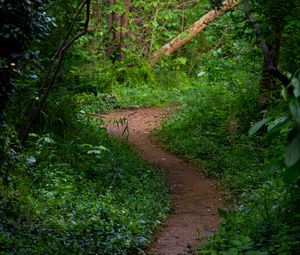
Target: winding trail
195	197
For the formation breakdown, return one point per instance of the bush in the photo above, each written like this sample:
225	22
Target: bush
86	193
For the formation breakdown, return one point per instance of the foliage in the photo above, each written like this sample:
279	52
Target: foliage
82	193
23	21
208	132
73	189
211	130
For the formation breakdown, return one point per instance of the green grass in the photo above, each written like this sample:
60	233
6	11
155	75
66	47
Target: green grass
84	193
211	131
147	96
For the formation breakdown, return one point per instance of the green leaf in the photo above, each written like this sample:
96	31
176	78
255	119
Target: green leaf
182	60
295	109
292	153
258	125
275	164
292	174
47	139
231	251
276	122
284	94
102	148
94	152
98	150
296	84
276	128
223	213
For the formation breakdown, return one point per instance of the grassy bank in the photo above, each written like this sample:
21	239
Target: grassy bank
83	193
211	130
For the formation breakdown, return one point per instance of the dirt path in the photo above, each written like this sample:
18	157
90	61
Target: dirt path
195	197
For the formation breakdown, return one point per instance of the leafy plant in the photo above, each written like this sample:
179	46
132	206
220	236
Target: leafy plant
287	125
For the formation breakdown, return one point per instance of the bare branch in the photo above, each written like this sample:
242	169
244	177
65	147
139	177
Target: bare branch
79	10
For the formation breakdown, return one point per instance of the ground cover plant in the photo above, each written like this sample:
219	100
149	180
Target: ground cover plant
212	131
85	193
67	187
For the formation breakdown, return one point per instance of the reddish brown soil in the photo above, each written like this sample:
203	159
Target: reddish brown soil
195	197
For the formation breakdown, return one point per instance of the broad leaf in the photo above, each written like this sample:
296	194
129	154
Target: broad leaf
258	125
296	84
278	121
295	109
275	164
275	131
98	152
292	174
292	154
284	94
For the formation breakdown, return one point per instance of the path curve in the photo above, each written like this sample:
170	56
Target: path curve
195	197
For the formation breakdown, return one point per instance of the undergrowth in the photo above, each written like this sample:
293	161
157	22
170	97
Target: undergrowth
211	131
83	193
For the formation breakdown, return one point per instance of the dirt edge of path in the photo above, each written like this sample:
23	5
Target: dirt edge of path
196	198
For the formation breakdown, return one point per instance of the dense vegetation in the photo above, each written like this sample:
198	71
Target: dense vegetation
67	187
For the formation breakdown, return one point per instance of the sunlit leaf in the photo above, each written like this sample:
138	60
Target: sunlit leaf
98	152
258	125
284	94
47	139
296	84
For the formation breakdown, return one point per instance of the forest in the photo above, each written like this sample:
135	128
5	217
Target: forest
116	114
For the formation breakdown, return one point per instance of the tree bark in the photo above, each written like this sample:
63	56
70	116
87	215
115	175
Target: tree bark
124	28
269	62
268	82
191	32
114	27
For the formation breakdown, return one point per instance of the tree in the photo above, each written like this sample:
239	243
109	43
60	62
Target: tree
273	18
270	51
192	31
22	21
118	27
51	74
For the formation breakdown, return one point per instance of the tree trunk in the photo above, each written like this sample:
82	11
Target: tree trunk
114	21
118	26
191	32
51	74
124	28
270	52
268	82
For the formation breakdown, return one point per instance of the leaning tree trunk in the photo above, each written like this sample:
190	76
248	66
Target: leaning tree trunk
191	32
